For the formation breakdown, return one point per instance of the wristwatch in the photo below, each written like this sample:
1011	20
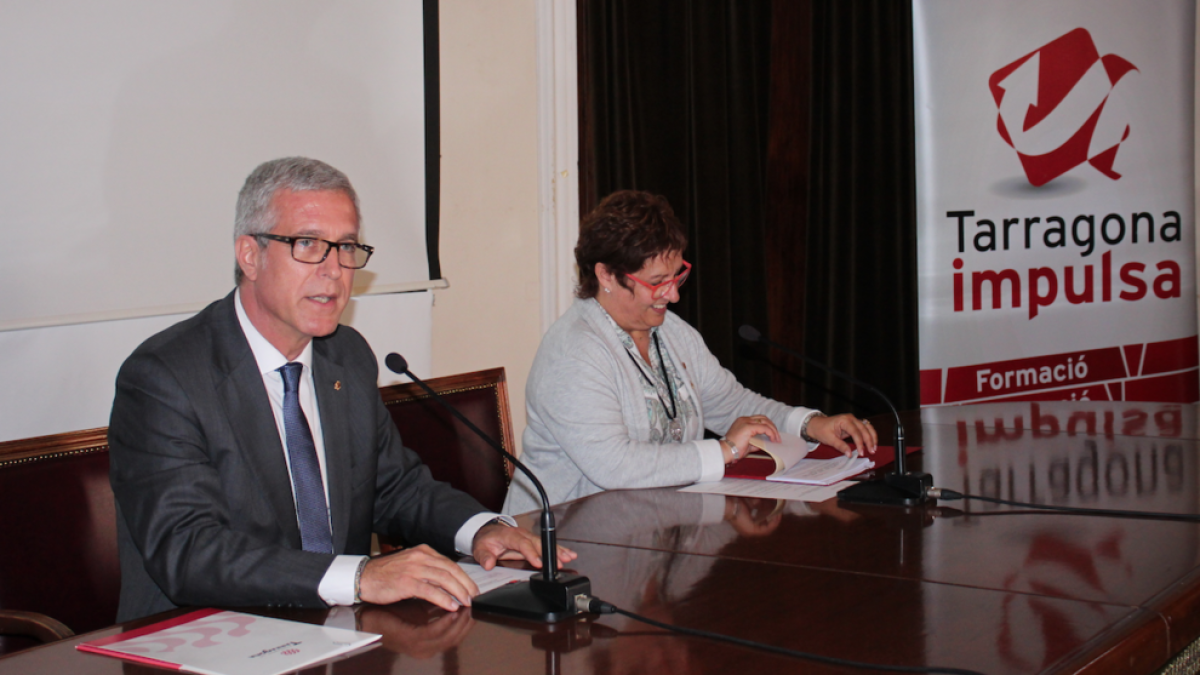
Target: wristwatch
362	564
804	425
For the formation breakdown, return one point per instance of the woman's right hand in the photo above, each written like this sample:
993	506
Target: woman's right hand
742	430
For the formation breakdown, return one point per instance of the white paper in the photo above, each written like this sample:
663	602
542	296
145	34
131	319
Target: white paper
824	471
789	450
496	577
743	487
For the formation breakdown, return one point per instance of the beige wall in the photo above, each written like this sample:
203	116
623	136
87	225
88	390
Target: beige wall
490	314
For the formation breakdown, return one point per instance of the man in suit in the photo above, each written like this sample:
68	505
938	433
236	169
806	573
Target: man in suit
251	454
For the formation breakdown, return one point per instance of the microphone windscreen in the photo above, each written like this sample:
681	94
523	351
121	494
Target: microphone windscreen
396	363
749	333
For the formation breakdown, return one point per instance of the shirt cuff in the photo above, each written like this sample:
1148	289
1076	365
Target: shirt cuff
712	460
464	541
342	617
799	508
712	508
337	586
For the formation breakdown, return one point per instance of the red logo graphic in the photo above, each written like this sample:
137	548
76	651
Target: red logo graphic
290	652
1051	105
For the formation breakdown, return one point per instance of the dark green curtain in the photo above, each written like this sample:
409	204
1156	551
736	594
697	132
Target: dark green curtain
782	134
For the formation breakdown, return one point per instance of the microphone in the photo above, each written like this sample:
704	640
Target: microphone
548	596
900	487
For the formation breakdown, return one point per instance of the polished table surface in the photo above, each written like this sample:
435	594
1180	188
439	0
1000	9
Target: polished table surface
959	584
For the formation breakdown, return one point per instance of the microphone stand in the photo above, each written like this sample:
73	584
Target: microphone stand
548	596
901	487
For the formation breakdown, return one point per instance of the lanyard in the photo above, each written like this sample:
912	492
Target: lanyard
670	390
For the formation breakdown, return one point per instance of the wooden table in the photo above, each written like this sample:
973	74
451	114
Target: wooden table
957	584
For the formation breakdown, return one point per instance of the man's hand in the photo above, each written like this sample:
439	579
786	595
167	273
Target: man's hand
419	640
419	572
498	541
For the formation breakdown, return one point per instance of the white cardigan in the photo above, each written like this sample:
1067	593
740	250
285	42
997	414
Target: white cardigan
588	428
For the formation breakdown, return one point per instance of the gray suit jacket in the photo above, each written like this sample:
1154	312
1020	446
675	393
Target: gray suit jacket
205	514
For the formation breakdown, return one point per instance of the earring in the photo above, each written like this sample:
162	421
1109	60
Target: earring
607	290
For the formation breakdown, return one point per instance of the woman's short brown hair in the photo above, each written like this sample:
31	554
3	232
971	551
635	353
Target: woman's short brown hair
625	231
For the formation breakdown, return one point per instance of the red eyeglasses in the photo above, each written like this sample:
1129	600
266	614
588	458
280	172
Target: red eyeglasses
659	291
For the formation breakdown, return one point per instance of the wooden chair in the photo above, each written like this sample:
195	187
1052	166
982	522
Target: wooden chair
453	453
58	535
59	569
19	630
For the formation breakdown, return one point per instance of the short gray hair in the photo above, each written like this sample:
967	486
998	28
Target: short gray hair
297	174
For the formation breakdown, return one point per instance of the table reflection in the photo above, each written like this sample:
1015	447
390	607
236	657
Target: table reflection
1046	418
421	635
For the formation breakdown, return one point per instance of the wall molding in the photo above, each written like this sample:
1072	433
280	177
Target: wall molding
558	154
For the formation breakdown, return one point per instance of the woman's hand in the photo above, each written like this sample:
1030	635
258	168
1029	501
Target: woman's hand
832	430
753	517
743	429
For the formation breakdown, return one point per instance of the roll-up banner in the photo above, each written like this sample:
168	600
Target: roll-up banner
1055	200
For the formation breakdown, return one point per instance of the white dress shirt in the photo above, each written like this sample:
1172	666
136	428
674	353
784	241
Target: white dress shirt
337	586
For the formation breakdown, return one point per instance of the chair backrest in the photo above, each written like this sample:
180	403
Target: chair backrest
58	532
453	453
58	529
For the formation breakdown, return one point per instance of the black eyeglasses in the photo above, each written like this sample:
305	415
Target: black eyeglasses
351	255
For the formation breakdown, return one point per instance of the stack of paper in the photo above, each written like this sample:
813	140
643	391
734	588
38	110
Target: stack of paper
789	461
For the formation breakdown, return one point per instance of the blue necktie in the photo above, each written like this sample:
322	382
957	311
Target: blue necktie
309	489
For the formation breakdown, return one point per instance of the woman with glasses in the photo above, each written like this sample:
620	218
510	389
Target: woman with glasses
622	389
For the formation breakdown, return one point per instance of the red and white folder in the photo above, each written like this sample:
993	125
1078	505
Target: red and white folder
218	642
